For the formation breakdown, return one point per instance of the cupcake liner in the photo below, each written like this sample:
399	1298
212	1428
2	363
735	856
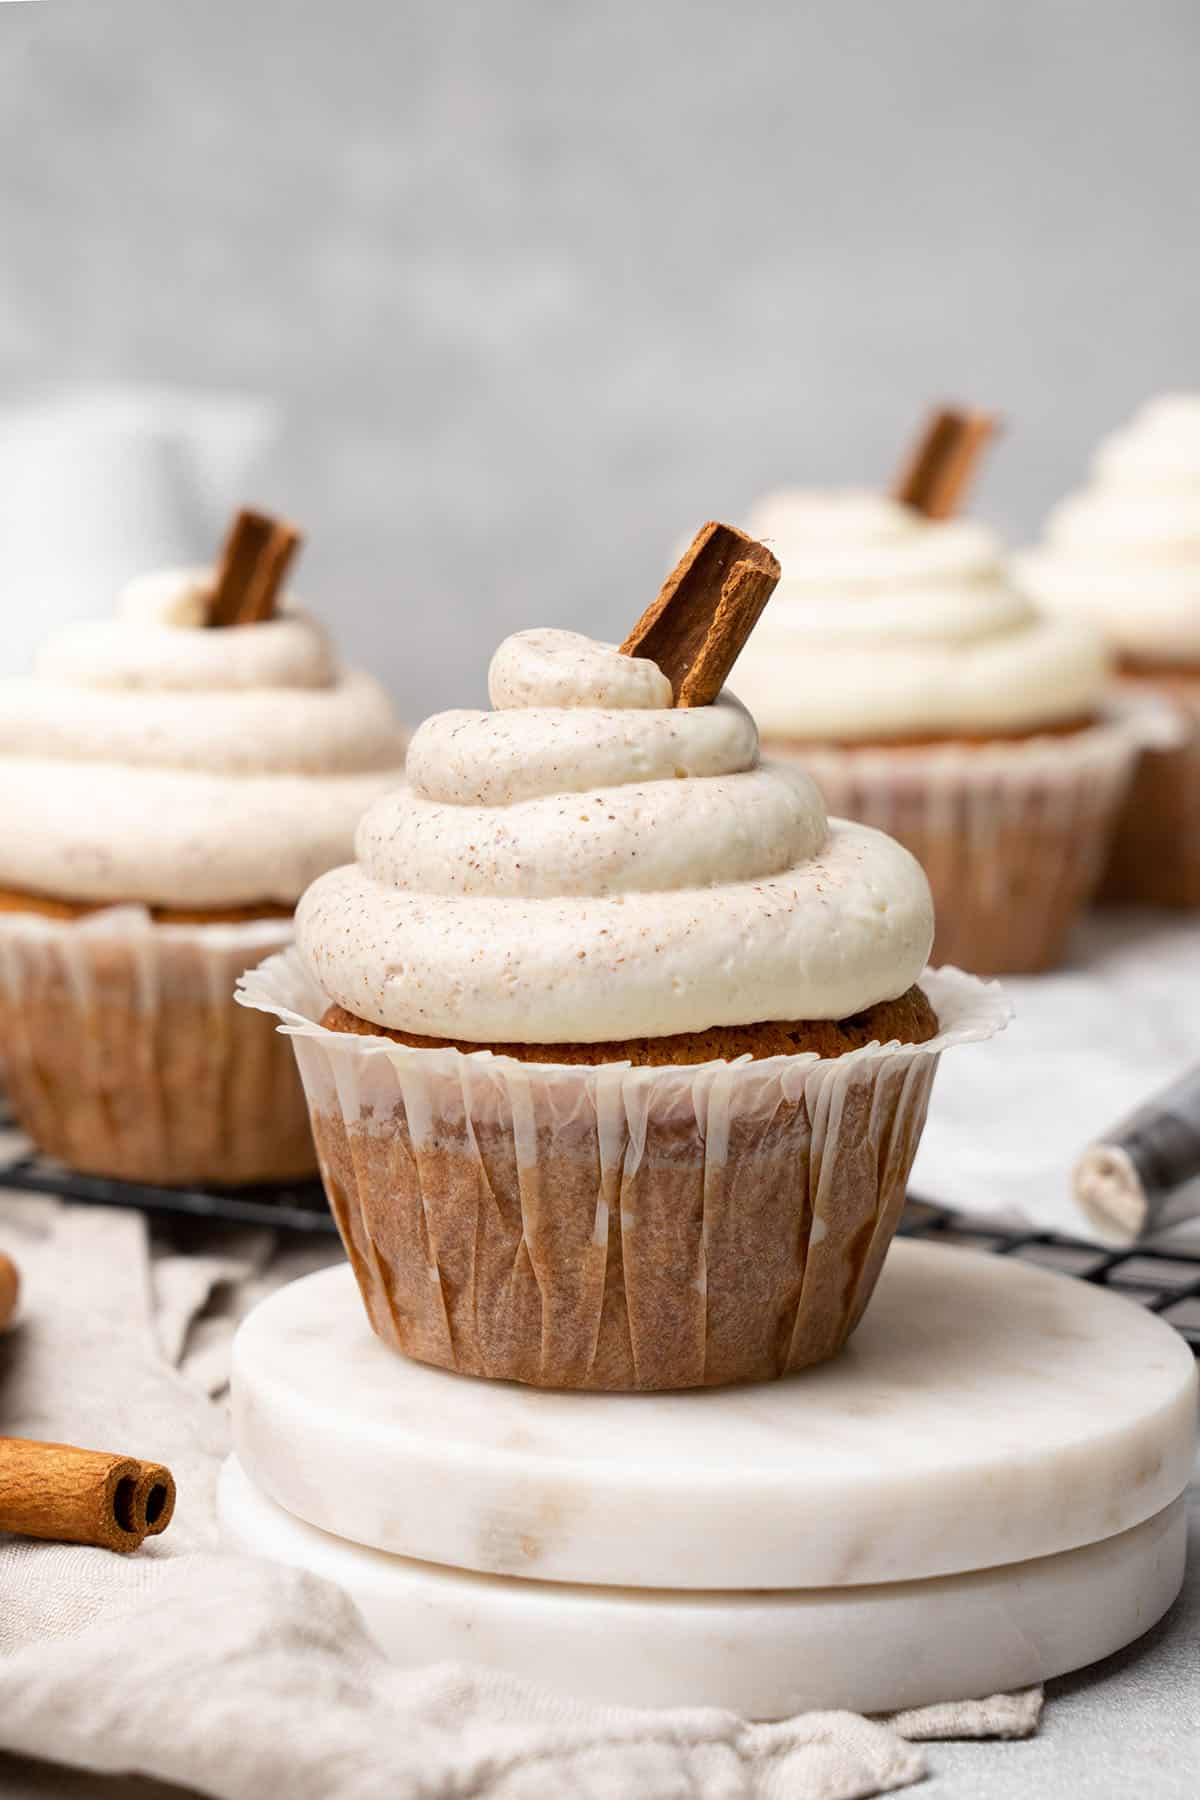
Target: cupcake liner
1012	833
1154	857
614	1227
125	1055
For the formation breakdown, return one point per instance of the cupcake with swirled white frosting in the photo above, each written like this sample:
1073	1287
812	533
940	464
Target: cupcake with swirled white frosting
617	1048
1124	554
167	791
930	696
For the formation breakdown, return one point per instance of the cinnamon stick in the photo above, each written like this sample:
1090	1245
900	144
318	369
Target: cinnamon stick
10	1289
935	477
154	1501
706	609
251	569
73	1496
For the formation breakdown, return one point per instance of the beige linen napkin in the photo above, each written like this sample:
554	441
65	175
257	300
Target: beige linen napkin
235	1677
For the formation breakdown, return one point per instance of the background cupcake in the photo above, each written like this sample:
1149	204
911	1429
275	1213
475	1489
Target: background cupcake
926	694
1125	555
616	1047
168	787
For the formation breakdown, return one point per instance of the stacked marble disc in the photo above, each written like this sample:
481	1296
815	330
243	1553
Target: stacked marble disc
985	1489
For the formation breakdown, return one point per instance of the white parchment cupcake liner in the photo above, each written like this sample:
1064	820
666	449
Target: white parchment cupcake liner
1154	857
1012	834
125	1055
608	1226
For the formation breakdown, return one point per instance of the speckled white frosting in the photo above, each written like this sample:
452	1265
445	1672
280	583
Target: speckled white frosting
149	758
1125	552
887	625
589	863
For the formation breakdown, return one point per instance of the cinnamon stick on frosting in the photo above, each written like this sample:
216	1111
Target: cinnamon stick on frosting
706	609
939	469
74	1496
250	574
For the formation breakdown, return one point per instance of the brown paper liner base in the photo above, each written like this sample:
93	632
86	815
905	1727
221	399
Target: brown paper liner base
1155	855
190	1088
669	1269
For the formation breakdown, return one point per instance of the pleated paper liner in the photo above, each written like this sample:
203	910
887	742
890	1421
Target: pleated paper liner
1013	834
1154	859
125	1055
614	1227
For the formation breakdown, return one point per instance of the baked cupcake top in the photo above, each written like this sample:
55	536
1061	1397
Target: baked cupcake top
1125	552
887	625
152	758
589	862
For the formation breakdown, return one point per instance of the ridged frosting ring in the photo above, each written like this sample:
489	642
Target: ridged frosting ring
149	758
599	865
1125	552
886	625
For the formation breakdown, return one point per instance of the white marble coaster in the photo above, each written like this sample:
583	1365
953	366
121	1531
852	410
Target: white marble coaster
986	1412
764	1656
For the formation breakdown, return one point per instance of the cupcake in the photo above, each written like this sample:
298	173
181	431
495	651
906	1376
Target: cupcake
928	697
167	789
1124	555
617	1048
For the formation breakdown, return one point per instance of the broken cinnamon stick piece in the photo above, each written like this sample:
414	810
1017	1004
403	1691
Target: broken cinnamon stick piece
10	1289
941	464
706	609
74	1496
250	573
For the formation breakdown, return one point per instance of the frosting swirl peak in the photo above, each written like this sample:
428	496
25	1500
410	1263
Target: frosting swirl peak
589	863
887	625
1125	551
150	758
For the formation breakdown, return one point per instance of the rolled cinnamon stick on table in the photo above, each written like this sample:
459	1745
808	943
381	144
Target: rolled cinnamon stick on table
73	1496
154	1502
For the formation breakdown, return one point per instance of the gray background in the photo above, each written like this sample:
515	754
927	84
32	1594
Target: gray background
539	285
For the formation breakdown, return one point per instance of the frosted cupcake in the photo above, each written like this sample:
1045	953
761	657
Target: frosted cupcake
167	790
929	697
617	1049
1125	555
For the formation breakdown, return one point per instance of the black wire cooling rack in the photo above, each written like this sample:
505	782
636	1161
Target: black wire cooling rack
1164	1280
295	1206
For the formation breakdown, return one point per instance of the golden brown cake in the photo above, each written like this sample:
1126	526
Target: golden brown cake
910	1019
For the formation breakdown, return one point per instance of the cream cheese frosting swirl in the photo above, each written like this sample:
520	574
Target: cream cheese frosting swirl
1125	552
886	625
149	758
588	863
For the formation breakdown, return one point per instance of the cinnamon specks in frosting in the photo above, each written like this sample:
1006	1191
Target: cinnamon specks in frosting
152	759
545	875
